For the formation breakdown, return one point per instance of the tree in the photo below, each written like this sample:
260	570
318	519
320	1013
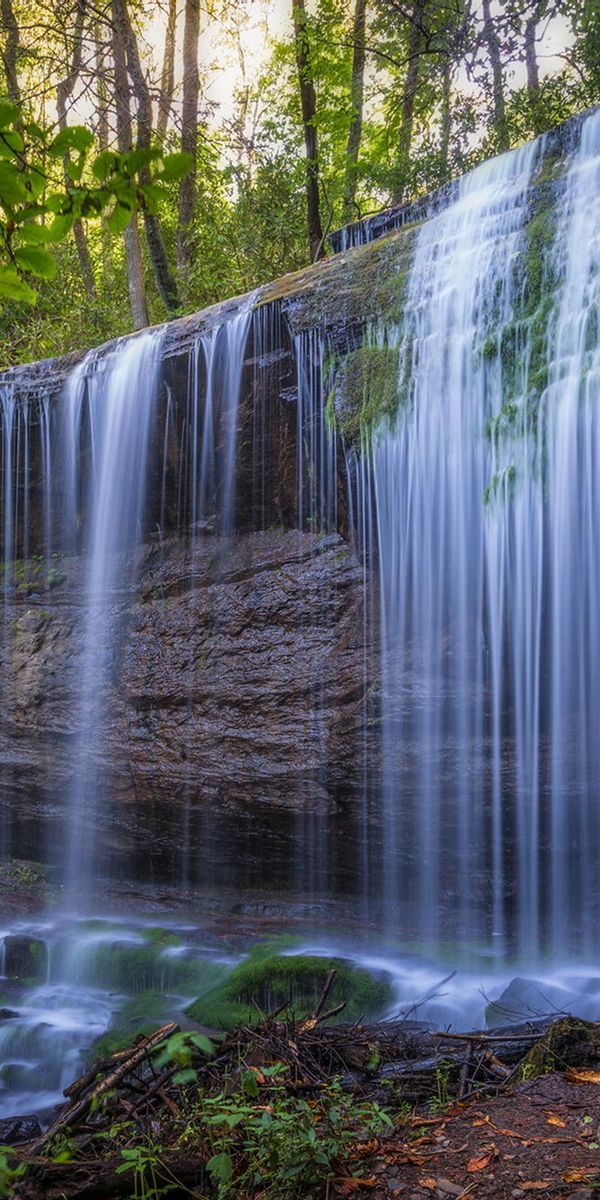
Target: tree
357	91
165	280
63	92
308	101
494	50
189	128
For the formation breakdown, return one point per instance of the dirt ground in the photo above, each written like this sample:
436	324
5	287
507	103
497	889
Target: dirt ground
541	1139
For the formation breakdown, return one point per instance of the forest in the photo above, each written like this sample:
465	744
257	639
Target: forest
291	119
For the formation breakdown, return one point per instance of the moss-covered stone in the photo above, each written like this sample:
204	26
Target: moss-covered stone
262	984
567	1043
366	390
135	969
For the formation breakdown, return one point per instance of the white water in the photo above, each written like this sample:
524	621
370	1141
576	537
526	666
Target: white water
119	404
490	612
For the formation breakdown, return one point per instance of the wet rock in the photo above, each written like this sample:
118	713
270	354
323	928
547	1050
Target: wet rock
19	1129
8	1014
25	958
524	999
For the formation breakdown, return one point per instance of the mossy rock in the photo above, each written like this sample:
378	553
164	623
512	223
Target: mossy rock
260	985
567	1043
135	969
25	959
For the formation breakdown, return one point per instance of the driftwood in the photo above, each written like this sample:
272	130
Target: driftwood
391	1062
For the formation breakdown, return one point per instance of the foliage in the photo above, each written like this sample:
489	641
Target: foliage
32	218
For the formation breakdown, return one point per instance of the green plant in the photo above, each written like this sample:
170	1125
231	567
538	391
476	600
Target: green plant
286	1144
10	1172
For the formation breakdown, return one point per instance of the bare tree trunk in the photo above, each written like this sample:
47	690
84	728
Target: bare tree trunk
165	281
167	77
533	75
409	93
446	124
63	91
189	129
102	130
131	238
495	57
357	91
11	50
308	102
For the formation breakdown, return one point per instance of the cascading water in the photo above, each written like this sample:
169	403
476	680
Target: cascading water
204	531
119	404
488	532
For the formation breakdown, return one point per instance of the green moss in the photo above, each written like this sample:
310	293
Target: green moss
366	390
135	969
501	483
261	985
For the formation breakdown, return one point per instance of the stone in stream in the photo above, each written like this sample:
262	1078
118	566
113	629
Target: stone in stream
25	958
529	998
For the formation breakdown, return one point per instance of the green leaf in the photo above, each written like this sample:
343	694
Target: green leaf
175	166
9	113
12	189
59	228
220	1167
203	1043
33	235
11	143
40	262
136	160
74	137
119	218
105	164
249	1084
187	1076
12	287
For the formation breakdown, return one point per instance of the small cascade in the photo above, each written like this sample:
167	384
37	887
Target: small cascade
119	404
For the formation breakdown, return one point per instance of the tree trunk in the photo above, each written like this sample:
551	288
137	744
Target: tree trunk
409	93
64	90
493	48
357	91
308	102
446	124
189	128
165	281
11	50
533	75
167	77
103	132
131	239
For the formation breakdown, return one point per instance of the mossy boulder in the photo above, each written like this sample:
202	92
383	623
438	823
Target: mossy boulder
262	984
25	959
570	1043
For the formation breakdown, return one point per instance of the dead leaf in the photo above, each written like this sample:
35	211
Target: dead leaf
352	1183
582	1076
429	1183
554	1120
580	1175
481	1161
535	1185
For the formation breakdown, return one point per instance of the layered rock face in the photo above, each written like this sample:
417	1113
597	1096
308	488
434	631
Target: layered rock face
238	682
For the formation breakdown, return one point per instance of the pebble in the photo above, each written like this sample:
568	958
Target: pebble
583	1194
394	1185
447	1188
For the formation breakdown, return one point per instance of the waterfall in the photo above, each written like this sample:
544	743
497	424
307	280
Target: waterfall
426	481
119	404
488	534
